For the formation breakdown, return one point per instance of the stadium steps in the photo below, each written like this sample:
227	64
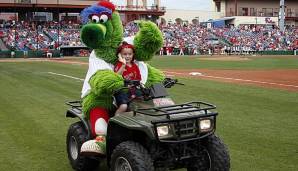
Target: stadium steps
2	45
221	40
225	42
48	35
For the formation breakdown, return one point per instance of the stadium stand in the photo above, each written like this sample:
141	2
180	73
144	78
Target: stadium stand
179	38
190	38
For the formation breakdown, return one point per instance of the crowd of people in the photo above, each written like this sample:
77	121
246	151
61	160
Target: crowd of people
191	39
32	36
260	38
179	39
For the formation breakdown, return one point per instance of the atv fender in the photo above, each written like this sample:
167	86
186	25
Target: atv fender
75	113
121	129
132	124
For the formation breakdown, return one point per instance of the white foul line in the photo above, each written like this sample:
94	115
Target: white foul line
174	72
253	81
208	76
76	78
237	79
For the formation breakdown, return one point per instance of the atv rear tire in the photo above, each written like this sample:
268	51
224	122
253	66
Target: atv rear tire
216	156
131	156
76	136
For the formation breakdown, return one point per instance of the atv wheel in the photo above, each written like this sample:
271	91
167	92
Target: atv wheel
76	136
214	156
131	156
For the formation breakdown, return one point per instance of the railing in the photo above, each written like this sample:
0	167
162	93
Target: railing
141	8
292	14
260	13
24	1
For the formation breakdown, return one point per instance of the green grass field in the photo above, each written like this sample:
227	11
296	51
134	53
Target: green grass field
259	125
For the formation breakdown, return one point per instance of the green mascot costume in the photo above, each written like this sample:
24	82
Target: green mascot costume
103	32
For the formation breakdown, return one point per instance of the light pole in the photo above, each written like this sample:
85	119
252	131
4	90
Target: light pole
36	28
15	27
282	16
58	48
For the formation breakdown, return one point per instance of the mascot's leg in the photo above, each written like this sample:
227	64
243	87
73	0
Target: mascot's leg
98	121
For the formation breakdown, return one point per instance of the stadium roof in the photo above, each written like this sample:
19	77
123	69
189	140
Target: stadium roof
222	19
18	7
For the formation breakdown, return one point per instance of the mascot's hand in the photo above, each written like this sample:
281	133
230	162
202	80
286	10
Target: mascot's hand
147	41
105	82
143	23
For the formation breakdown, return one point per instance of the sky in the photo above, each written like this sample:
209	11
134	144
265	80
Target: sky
204	5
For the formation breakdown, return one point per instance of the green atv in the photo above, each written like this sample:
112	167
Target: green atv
155	134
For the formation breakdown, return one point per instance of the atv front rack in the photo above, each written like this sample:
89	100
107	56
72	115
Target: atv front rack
185	126
177	109
75	104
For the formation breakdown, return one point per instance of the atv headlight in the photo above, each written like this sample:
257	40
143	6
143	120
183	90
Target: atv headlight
163	130
205	125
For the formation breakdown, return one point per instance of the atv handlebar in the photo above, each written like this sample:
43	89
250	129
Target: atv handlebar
146	91
169	82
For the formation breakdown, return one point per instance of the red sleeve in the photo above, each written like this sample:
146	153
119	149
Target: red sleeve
138	73
117	66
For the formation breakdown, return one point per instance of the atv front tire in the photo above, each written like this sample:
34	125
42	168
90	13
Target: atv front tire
131	156
215	156
76	136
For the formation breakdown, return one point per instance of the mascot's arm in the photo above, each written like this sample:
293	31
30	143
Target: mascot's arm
154	76
147	41
105	82
117	34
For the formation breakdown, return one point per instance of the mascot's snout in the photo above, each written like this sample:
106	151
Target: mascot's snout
93	34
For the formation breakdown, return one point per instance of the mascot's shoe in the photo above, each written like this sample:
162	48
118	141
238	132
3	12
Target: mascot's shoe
94	147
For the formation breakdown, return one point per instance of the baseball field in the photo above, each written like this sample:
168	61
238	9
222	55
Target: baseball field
256	97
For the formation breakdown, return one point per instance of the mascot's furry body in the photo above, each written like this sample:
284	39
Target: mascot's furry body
103	32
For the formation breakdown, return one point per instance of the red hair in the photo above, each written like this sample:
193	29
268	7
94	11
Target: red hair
125	45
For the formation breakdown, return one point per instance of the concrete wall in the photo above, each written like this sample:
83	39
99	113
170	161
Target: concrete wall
222	6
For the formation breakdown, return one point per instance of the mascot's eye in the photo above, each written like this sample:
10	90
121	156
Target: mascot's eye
103	18
95	19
